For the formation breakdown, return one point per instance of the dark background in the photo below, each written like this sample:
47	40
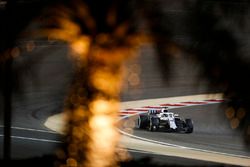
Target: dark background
207	41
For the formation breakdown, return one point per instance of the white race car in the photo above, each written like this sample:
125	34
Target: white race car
155	120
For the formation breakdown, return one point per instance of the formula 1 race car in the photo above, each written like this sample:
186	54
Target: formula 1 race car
156	120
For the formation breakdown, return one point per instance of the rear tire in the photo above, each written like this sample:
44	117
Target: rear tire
142	122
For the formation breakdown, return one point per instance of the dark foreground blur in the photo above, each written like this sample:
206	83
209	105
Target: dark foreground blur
50	161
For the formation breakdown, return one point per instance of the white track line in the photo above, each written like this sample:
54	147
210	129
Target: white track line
30	129
183	147
33	130
35	139
160	149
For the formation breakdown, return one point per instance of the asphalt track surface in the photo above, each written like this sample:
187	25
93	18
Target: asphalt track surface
210	133
45	86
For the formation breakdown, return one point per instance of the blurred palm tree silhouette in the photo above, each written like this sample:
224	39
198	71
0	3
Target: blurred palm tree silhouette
102	35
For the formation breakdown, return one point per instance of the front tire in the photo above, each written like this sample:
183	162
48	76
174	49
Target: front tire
154	124
190	126
180	125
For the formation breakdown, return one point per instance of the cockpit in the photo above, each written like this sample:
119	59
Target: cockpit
164	110
169	115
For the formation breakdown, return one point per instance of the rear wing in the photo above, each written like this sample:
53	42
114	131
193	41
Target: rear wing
157	111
